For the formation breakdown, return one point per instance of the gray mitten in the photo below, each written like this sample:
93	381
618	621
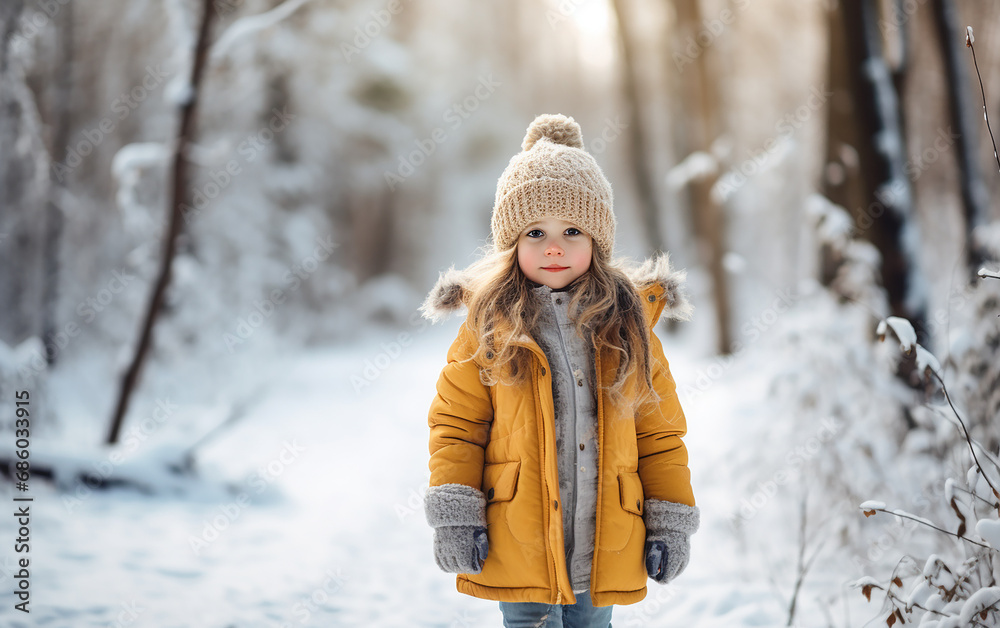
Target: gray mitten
669	525
458	515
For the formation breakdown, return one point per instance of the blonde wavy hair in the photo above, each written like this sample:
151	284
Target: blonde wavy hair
605	307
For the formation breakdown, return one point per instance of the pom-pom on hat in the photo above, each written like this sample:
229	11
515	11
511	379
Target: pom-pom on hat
553	175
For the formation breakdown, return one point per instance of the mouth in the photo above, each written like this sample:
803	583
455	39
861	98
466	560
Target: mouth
555	268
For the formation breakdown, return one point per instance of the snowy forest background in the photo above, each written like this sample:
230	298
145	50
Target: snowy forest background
821	169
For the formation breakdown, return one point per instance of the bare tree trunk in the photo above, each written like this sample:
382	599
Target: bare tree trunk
53	215
901	71
975	197
639	158
23	164
188	111
842	180
700	106
10	12
373	233
889	196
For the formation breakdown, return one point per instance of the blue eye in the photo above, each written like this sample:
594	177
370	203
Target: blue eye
572	231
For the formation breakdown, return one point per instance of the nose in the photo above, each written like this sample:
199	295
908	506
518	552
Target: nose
554	250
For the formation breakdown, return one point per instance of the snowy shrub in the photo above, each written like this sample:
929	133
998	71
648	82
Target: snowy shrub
849	265
957	584
975	355
23	368
838	428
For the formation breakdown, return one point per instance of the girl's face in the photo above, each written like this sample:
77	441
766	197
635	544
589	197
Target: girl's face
554	252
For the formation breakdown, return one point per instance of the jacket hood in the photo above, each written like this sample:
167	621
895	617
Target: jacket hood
654	274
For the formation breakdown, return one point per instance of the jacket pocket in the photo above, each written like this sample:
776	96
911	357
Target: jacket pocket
621	521
500	481
507	511
630	491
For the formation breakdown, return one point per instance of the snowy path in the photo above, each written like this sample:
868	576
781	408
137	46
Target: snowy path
324	526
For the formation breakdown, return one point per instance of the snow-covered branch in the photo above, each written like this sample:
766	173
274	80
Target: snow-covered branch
871	507
927	363
697	166
903	330
969	41
246	26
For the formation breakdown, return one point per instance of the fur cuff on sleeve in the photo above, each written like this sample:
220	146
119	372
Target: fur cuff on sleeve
662	516
455	505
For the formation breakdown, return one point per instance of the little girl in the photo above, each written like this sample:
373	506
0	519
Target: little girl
559	479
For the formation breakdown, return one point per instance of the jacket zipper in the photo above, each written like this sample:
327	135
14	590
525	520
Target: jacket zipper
600	473
545	485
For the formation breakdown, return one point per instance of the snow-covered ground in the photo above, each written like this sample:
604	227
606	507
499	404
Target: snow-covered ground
308	512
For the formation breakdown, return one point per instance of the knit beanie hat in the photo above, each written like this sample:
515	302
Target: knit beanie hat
553	176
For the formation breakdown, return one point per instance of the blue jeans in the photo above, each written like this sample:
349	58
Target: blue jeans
579	615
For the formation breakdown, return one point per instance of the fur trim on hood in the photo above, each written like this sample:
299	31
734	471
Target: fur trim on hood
449	292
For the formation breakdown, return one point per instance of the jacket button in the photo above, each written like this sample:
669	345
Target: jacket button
651	297
543	371
489	494
489	355
555	504
581	446
638	502
559	301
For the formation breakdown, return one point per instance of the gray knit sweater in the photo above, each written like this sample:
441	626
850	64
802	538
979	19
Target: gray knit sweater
571	360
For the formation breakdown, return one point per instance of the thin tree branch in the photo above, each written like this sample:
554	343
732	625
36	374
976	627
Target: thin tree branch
931	525
800	576
968	438
188	109
980	498
969	38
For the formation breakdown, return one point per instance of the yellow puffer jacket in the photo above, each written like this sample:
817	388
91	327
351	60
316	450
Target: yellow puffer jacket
500	440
